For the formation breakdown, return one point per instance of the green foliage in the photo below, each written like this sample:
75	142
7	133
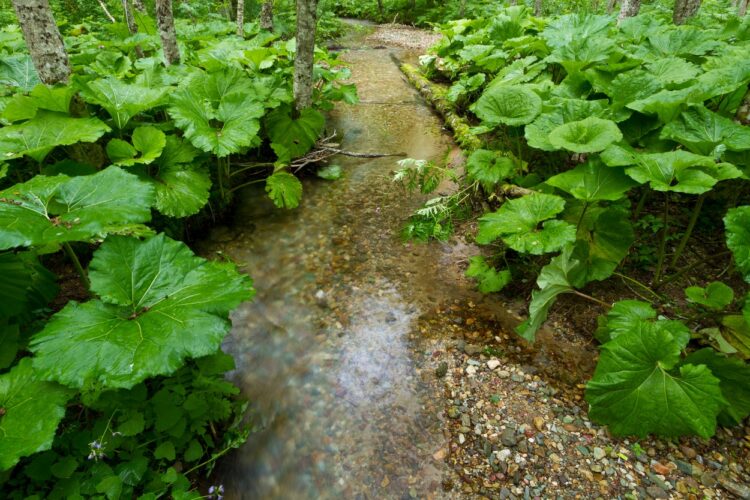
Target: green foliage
488	278
621	126
159	304
284	189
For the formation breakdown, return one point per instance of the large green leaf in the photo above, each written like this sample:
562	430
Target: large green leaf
284	189
512	105
680	171
489	168
638	389
159	305
182	186
701	130
51	210
562	275
296	134
38	136
217	112
737	224
26	284
673	70
32	409
18	71
488	278
622	318
604	239
734	380
592	181
121	100
558	111
518	221
589	135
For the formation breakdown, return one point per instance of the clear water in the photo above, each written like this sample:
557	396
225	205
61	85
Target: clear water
330	351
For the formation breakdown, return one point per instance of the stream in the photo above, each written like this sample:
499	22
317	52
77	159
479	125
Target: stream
329	352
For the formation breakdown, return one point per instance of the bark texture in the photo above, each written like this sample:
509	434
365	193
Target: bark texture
538	8
684	10
165	21
743	8
138	5
611	6
629	8
241	18
132	27
266	16
303	61
43	40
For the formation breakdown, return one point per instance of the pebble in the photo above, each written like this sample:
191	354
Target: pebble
599	453
492	364
503	374
539	423
656	492
740	490
471	370
508	437
441	370
503	455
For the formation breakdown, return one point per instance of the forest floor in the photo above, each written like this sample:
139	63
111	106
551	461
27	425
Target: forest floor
515	414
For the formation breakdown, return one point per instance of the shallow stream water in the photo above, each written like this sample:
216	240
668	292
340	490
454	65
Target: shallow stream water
329	352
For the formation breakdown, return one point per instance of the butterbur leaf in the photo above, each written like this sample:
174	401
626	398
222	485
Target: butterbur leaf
37	137
148	141
159	304
121	100
284	189
701	130
32	409
624	316
26	284
18	71
217	112
679	171
559	111
592	181
298	134
589	135
490	168
563	274
737	224
518	222
604	239
734	380
715	296
735	330
512	105
9	343
50	210
638	389
182	186
673	70
489	279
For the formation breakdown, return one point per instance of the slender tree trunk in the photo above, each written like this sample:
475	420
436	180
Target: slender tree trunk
611	6
303	61
462	8
132	27
538	7
512	2
43	40
138	5
165	21
629	8
743	8
241	18
685	9
106	11
266	15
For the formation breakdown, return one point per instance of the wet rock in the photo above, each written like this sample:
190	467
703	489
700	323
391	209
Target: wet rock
740	490
539	423
688	452
508	437
599	453
503	374
441	370
492	364
472	349
656	492
454	412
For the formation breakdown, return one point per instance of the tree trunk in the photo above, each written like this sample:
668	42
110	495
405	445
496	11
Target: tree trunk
138	5
685	9
132	27
743	8
165	21
462	9
303	61
538	8
611	6
43	40
241	18
629	8
266	16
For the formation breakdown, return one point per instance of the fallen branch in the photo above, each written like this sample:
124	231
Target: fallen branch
106	12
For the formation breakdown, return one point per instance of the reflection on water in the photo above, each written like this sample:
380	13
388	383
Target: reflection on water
329	353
